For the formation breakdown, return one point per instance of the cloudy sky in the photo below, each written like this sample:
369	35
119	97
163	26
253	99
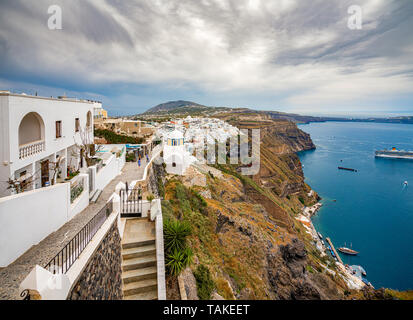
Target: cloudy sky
288	55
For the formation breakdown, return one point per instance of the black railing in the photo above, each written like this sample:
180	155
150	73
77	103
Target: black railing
62	262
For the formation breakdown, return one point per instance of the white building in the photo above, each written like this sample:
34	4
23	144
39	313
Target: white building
36	136
37	132
176	158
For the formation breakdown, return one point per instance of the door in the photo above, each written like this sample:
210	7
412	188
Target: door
45	172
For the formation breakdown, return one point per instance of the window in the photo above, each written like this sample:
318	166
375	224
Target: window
77	125
174	165
58	129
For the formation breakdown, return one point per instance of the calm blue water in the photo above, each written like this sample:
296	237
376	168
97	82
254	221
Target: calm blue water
373	211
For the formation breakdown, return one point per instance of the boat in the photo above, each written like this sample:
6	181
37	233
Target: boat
347	169
395	154
320	235
406	183
348	251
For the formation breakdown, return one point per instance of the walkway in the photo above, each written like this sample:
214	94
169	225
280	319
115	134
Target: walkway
41	254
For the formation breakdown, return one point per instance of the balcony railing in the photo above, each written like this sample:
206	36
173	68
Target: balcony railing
31	149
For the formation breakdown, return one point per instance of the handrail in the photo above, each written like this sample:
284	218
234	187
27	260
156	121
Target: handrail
62	262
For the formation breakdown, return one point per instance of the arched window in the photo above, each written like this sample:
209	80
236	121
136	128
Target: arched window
31	129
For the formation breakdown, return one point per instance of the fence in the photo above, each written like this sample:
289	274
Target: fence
62	262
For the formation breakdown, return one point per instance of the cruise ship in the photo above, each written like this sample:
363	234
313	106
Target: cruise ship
394	153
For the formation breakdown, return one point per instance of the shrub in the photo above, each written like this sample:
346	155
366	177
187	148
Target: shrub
161	188
114	138
204	283
175	233
178	260
130	157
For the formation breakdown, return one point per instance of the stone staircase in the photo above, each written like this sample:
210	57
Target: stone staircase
139	270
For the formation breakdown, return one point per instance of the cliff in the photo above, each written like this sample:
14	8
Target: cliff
246	234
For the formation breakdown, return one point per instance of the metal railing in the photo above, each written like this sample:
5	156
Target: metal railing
31	149
62	262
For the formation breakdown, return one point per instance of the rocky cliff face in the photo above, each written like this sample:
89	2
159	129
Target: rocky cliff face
248	236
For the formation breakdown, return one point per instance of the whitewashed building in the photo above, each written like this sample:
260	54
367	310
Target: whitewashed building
176	157
38	131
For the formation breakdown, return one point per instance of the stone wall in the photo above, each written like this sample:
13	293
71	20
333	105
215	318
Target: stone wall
102	278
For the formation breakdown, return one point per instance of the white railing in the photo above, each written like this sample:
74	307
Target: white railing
31	149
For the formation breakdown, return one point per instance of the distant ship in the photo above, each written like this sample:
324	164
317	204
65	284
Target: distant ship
348	251
394	153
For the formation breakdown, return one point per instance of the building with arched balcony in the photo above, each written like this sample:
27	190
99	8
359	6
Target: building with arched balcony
38	132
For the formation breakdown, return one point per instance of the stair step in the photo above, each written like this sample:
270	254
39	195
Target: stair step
139	274
137	244
150	295
140	287
138	251
138	263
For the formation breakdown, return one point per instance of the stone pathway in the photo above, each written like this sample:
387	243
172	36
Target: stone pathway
42	253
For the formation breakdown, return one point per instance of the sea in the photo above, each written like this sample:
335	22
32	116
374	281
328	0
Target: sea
370	210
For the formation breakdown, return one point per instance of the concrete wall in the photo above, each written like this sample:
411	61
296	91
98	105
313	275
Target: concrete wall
101	279
107	173
28	218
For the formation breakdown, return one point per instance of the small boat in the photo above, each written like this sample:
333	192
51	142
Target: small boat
348	169
320	235
406	183
348	251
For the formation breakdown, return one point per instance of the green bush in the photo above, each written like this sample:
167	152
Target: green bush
114	138
161	188
175	233
178	260
130	157
204	283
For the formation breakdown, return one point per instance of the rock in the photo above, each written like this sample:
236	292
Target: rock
216	296
221	221
190	284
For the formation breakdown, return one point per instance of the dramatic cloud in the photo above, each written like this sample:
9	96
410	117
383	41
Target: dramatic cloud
286	54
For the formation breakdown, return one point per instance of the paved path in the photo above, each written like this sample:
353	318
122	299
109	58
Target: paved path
41	254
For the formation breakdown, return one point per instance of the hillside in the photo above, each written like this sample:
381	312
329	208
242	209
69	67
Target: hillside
181	109
246	238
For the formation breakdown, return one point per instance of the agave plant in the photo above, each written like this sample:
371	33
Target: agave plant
175	233
178	260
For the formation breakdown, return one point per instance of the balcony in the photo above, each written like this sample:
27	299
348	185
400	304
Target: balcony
31	149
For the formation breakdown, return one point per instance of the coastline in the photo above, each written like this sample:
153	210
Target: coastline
353	282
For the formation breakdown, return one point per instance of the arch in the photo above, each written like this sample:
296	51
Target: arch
89	119
31	128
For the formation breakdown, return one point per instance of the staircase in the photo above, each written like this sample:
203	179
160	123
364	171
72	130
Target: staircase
139	271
